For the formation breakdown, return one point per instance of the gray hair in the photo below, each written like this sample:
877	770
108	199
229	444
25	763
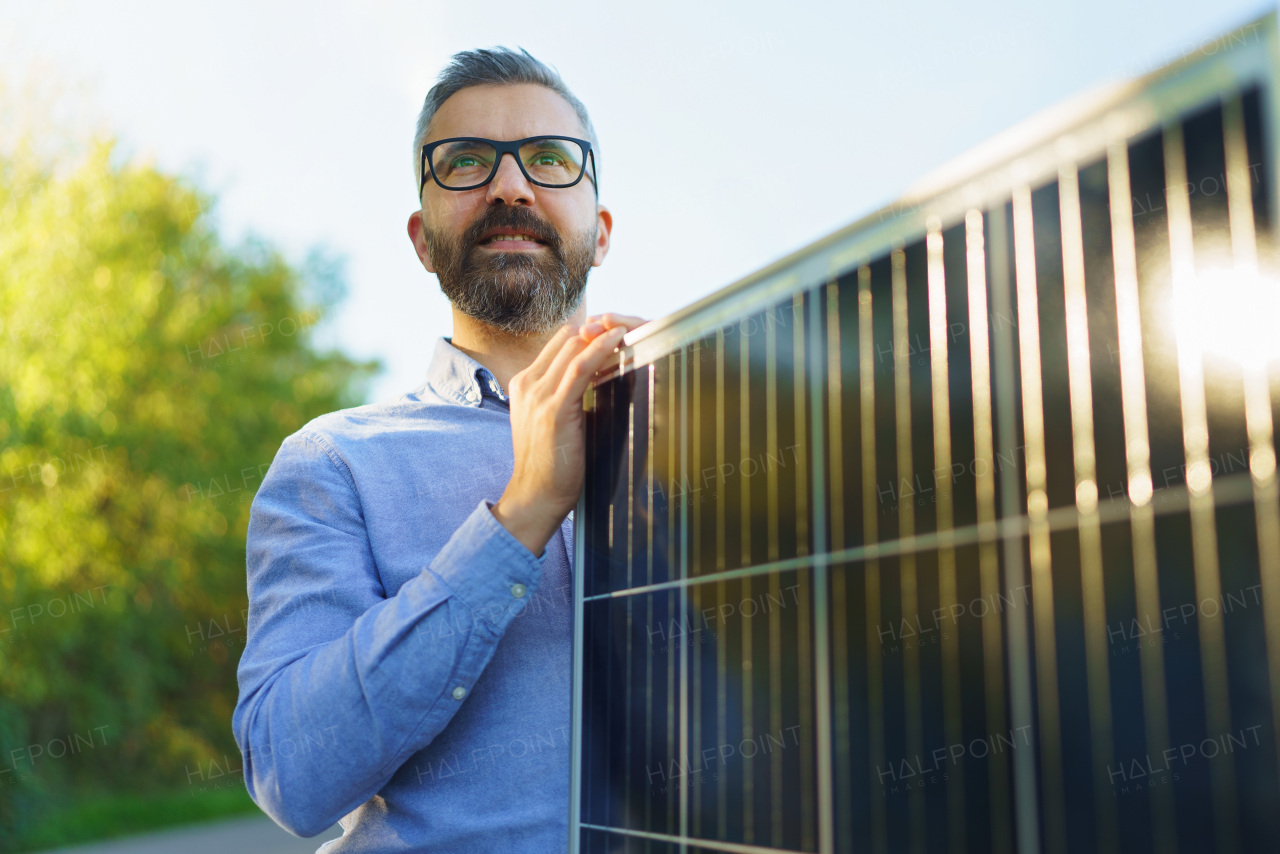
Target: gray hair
501	66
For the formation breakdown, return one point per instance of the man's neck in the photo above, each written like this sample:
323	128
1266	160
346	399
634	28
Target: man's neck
505	355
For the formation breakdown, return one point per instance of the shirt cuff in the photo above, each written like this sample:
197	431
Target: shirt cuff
487	568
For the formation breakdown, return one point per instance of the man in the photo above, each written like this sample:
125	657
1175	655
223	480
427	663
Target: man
407	665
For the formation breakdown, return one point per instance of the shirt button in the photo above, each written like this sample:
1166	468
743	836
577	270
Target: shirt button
518	590
459	692
472	396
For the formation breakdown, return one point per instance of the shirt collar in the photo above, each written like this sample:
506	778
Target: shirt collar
456	376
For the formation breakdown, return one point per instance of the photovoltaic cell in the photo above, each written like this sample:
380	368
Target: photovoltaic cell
959	531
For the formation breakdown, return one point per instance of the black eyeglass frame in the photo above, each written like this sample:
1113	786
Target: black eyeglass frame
513	148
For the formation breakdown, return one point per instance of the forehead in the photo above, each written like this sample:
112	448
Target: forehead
512	111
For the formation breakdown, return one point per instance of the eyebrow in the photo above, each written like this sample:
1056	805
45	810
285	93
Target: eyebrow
461	145
549	140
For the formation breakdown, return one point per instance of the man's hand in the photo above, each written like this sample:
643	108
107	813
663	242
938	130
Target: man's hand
547	428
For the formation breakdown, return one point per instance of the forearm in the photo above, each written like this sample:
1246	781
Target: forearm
332	727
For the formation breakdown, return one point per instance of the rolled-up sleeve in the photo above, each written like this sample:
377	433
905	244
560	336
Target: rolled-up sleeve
339	683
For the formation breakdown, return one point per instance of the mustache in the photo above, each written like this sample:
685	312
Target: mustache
508	217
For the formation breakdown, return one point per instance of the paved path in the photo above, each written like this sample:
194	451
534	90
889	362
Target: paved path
252	835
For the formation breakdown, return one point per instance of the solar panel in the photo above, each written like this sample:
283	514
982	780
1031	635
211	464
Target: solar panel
958	530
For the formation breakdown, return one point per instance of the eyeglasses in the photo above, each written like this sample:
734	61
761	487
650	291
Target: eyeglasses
468	162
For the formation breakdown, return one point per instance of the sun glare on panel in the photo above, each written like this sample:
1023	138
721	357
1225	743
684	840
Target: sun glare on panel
1230	313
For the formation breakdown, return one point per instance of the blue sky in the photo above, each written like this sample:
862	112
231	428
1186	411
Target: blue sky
794	118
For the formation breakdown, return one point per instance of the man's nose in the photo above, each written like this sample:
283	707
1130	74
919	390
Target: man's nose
509	185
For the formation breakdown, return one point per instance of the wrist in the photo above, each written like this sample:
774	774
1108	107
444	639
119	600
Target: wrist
528	523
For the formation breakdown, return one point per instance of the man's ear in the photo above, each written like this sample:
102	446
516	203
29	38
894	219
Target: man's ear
417	234
604	230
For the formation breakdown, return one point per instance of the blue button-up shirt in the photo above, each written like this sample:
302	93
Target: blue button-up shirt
406	669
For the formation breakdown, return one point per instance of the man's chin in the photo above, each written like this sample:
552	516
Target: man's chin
517	291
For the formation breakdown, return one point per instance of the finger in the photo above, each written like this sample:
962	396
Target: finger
630	321
591	329
549	352
569	349
599	323
578	373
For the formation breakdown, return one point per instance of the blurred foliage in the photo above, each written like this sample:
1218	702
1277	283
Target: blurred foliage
103	815
148	374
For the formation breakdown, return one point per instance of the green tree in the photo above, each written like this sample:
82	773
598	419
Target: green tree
148	374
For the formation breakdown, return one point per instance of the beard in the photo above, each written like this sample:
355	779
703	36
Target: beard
518	292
